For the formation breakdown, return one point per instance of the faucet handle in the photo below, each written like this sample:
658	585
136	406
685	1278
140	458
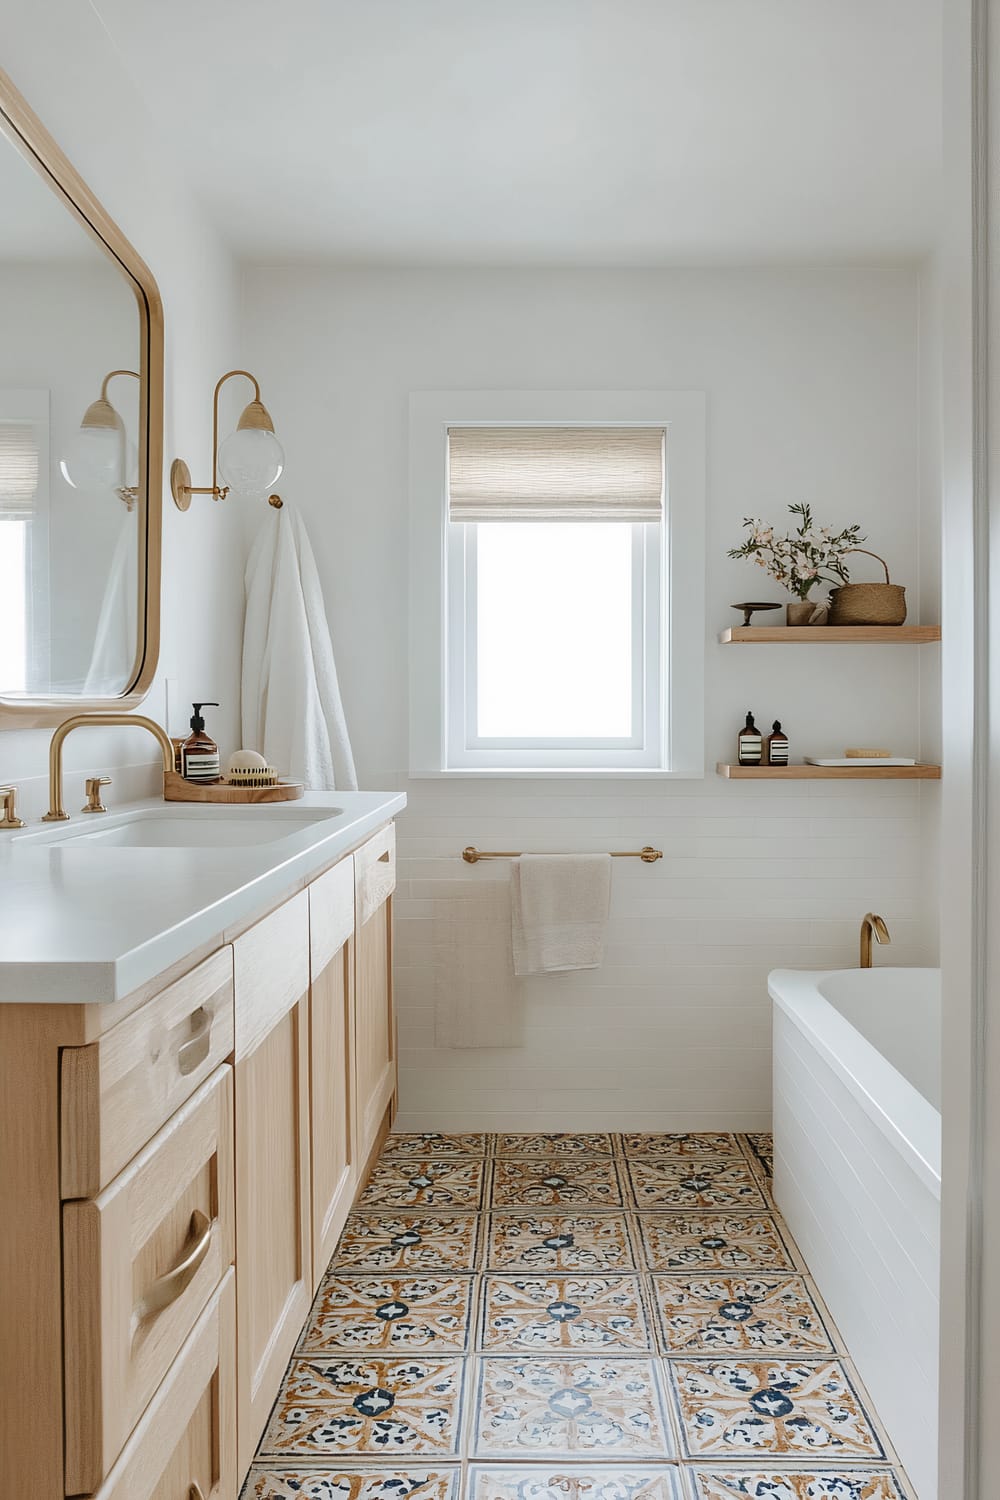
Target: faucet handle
8	801
93	786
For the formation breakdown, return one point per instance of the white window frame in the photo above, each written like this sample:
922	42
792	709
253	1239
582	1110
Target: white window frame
673	562
32	406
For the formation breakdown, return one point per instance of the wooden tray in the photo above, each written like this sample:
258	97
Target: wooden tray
176	789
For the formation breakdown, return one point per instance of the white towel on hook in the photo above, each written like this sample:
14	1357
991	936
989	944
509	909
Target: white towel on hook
292	711
560	906
477	1000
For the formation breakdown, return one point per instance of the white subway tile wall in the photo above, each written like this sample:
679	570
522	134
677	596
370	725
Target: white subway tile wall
673	1032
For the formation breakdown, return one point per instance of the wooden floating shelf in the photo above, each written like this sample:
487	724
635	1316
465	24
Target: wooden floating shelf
829	773
831	635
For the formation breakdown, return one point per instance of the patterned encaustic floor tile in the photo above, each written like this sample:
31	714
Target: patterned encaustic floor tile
433	1143
709	1182
331	1483
368	1408
713	1242
758	1314
784	1408
565	1482
550	1182
564	1408
559	1242
578	1314
557	1143
583	1316
681	1144
760	1147
799	1484
425	1182
408	1242
358	1314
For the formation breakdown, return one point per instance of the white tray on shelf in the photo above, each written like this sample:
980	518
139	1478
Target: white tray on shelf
861	760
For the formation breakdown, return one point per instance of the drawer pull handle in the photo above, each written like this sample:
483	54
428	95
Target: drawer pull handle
192	1054
195	1491
168	1288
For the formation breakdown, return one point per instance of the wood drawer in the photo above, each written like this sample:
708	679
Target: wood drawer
185	1445
331	915
271	963
375	873
140	1263
117	1092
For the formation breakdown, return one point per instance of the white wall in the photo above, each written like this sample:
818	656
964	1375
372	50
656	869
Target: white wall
813	389
61	59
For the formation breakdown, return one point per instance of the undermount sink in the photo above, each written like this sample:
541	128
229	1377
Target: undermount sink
165	828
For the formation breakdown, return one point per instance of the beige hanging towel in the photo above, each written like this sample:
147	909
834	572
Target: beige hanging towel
477	1000
559	911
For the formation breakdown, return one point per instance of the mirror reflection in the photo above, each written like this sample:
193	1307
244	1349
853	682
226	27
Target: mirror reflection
70	503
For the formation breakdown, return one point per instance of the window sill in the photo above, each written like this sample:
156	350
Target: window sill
570	773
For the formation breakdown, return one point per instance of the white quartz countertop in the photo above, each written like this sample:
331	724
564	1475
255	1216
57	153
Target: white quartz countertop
82	924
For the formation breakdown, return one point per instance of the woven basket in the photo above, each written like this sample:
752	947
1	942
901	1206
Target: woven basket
868	603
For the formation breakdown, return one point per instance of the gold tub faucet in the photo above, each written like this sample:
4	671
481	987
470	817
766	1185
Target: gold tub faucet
869	925
56	812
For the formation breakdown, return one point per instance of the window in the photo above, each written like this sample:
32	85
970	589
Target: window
23	474
559	540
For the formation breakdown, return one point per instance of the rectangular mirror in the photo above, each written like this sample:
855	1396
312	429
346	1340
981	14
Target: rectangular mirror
81	417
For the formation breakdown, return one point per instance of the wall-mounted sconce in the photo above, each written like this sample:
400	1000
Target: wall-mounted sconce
99	456
249	461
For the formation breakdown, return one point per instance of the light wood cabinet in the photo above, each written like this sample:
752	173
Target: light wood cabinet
116	1093
177	1169
374	1019
331	1059
187	1437
273	1179
140	1262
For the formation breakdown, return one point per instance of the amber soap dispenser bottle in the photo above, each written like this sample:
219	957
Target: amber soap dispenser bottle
750	744
199	752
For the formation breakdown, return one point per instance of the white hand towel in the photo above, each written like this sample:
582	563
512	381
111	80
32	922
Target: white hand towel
477	1000
559	911
292	713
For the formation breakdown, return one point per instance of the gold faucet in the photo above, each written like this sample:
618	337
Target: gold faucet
8	808
56	812
872	924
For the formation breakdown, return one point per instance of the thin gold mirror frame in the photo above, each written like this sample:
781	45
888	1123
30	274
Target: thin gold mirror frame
27	133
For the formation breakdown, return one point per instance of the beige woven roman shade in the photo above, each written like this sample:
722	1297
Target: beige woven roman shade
18	470
555	473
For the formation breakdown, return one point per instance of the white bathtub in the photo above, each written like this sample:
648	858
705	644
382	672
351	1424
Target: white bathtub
857	1174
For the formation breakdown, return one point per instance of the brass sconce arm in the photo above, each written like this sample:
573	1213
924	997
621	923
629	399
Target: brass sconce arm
255	417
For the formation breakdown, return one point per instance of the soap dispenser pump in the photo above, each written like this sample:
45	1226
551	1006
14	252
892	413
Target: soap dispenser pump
199	752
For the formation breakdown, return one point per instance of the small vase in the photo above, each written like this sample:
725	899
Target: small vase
806	612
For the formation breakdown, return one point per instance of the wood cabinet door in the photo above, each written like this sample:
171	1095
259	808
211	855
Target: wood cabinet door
184	1446
273	1219
140	1262
374	1020
331	1058
331	1052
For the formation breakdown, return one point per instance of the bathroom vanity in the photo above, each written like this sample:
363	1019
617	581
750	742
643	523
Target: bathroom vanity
196	1064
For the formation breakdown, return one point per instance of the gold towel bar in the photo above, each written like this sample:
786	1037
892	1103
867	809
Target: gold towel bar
648	855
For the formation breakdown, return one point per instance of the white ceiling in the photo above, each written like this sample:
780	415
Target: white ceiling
572	132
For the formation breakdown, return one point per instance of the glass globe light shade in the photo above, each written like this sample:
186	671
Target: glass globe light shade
95	458
250	461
